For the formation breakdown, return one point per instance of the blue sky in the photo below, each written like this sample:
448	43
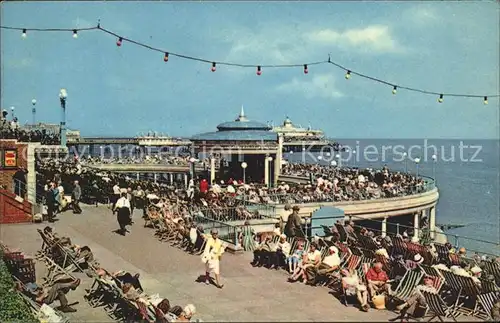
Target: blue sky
439	46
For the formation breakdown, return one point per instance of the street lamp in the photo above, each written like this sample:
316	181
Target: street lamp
192	160
338	158
405	155
63	95
269	160
354	155
33	111
244	166
320	158
333	163
12	112
434	159
417	161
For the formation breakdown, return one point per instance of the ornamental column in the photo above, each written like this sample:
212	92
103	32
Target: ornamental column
416	224
212	170
432	222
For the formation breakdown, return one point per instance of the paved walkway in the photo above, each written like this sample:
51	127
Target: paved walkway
249	294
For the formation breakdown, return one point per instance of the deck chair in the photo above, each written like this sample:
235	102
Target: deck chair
144	312
492	268
429	271
35	308
485	305
438	308
442	251
398	246
406	286
54	272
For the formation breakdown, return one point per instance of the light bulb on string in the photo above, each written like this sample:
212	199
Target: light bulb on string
75	33
306	70
485	100
395	90
259	70
165	58
119	42
213	69
24	33
440	100
348	75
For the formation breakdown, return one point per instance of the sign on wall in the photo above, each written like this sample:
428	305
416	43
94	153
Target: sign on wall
10	158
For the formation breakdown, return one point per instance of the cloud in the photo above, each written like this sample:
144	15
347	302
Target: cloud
372	38
321	85
288	44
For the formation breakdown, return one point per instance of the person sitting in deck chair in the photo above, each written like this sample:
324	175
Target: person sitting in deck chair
329	264
495	311
58	291
295	259
310	259
377	280
417	300
84	254
262	254
353	287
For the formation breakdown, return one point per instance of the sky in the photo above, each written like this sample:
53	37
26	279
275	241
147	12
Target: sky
445	47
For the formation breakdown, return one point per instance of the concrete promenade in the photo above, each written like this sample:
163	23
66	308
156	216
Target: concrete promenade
249	294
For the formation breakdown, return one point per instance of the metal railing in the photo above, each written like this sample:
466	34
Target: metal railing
227	214
471	244
227	232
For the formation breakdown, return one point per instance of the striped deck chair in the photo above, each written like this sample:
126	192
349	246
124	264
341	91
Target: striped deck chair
438	308
412	249
468	290
386	263
144	313
485	305
407	284
488	286
361	273
342	232
492	268
429	271
275	239
47	245
454	259
398	246
443	252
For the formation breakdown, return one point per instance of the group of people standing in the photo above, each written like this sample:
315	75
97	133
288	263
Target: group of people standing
56	202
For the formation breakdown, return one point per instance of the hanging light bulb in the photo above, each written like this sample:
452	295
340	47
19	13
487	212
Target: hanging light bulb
348	75
305	69
24	33
259	70
75	33
119	42
440	100
395	90
485	100
165	58
213	69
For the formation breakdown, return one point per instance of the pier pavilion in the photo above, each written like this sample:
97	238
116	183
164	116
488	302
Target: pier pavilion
252	150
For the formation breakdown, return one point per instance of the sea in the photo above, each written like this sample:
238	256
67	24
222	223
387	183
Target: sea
466	172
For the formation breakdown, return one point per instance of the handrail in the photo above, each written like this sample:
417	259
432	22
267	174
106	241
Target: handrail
456	237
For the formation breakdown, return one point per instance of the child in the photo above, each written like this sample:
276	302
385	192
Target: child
296	258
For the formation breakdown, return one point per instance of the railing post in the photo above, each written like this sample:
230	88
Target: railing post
397	228
384	227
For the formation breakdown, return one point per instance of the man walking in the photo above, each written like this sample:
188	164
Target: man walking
293	227
76	196
50	201
122	207
211	257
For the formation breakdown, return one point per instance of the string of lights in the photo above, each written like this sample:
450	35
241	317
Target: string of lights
259	68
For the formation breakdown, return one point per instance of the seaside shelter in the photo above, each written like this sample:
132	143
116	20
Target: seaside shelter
244	149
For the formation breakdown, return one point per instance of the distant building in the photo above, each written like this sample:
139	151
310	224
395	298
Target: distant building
290	132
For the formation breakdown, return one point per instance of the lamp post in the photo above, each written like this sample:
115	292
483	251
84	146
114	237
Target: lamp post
33	110
192	160
320	158
339	161
333	163
354	155
269	160
417	161
405	155
12	112
63	95
434	161
244	166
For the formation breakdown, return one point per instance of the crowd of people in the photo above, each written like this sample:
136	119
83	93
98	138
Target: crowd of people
347	184
373	269
12	130
156	159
